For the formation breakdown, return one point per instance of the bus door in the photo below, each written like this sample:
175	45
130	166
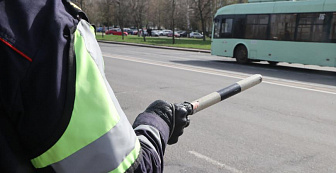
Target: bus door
224	30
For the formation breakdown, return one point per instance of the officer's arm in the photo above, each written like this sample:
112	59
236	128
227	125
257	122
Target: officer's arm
161	124
153	133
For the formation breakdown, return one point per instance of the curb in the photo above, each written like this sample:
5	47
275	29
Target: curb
160	47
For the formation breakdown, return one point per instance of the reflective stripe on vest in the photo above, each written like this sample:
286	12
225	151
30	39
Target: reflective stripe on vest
99	137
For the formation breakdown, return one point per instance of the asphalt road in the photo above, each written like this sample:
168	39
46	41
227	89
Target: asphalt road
285	124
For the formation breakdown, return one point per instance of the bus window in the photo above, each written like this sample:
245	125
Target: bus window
216	28
317	33
332	36
283	27
256	26
310	27
226	28
239	25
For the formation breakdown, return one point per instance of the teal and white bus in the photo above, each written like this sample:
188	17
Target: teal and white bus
301	31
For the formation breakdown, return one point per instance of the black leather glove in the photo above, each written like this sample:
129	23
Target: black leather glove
175	115
182	121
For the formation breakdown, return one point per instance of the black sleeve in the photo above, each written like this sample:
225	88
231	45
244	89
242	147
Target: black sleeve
153	133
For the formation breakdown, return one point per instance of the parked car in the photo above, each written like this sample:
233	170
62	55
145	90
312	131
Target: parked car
143	32
115	31
165	32
134	31
129	31
160	32
196	35
155	33
183	33
175	34
100	29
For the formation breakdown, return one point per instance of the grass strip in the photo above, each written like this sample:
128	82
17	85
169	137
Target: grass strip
159	41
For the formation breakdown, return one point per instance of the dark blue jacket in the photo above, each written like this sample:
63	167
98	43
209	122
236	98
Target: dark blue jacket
34	82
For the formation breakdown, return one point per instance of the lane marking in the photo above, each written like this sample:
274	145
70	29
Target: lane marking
236	75
214	162
326	91
182	67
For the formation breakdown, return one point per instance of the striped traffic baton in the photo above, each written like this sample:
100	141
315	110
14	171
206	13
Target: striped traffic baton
225	93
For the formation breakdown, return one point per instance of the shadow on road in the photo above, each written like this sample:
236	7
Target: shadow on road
285	72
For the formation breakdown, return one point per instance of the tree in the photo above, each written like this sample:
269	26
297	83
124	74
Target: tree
157	14
121	14
203	10
172	17
138	7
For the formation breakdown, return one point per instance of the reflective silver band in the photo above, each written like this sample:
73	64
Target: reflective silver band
103	155
155	133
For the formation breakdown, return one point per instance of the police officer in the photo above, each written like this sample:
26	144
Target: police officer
58	113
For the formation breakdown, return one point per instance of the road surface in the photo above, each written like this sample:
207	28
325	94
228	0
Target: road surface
285	124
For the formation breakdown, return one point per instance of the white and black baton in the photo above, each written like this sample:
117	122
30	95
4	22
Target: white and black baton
225	93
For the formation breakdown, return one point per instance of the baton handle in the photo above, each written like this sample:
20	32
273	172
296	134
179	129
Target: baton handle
225	93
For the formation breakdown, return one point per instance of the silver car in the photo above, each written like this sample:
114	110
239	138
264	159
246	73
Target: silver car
166	32
196	35
155	33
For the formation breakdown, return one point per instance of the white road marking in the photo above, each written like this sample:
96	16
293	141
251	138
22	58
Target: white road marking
214	162
303	88
268	80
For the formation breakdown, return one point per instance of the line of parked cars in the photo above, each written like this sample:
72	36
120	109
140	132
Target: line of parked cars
117	31
170	33
154	33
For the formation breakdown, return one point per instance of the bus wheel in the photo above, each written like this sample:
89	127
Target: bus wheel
272	63
241	55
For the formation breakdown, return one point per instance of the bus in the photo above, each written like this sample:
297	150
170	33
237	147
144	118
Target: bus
301	31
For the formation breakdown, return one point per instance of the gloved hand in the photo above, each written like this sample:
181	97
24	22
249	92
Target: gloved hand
182	121
175	115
